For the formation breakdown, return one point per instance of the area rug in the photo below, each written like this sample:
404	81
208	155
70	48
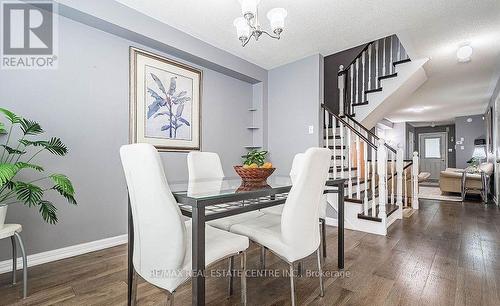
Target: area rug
434	193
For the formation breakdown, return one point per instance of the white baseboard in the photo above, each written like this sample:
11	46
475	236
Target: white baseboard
53	255
331	221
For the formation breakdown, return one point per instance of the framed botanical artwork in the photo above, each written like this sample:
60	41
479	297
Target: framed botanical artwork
165	102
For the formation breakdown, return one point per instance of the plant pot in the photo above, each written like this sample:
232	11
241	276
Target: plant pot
3	213
254	176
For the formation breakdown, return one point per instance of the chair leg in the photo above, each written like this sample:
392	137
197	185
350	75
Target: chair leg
171	299
244	278
134	288
14	259
231	269
262	258
320	270
292	285
323	236
25	265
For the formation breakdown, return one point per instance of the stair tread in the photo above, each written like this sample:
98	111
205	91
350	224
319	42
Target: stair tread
345	168
389	210
331	136
337	147
388	76
401	62
373	90
360	103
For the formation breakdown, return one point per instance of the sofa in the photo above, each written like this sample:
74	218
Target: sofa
450	180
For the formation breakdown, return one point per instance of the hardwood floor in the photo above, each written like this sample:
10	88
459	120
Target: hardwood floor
447	253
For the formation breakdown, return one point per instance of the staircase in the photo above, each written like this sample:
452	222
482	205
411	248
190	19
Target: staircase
380	184
380	78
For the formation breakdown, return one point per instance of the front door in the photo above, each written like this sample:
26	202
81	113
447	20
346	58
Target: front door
433	153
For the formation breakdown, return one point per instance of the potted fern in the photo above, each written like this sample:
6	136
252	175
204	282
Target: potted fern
18	156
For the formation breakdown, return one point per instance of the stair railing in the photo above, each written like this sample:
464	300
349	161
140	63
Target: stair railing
379	168
355	80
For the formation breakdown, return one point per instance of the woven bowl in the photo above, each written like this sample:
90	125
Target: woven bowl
255	176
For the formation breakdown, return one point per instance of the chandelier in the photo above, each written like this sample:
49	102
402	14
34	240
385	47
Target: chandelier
248	26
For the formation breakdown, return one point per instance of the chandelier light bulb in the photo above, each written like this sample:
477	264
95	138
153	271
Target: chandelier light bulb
276	17
242	28
249	8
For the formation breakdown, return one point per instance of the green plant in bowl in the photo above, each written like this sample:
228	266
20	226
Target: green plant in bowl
257	157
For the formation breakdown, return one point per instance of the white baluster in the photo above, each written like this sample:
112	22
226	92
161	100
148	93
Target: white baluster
393	166
399	168
399	50
367	166
341	86
341	131
374	173
390	56
334	132
406	188
414	171
383	59
382	176
363	74
349	163
327	144
357	81
370	66
377	62
352	84
358	167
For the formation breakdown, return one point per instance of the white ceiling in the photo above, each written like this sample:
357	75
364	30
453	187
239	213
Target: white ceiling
428	28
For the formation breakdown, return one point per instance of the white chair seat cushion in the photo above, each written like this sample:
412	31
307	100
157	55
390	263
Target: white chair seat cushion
226	223
266	231
218	244
9	229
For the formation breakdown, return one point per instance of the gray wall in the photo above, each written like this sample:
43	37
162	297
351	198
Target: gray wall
451	139
294	99
85	102
469	131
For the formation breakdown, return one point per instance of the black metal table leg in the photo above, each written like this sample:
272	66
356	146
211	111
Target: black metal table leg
130	267
198	255
341	225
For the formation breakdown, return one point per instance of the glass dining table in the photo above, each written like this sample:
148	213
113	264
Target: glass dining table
210	199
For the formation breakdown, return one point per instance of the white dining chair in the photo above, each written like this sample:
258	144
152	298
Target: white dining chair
162	248
295	234
294	172
13	231
204	165
205	168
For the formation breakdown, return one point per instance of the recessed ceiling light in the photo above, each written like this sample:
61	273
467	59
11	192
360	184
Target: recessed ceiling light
464	53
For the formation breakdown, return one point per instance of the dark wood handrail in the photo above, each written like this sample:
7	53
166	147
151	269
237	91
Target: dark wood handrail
370	132
349	126
357	56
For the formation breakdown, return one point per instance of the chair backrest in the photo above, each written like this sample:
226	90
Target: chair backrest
298	159
204	165
299	221
159	232
294	172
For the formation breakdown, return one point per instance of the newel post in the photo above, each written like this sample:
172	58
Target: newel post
382	174
341	86
414	175
399	176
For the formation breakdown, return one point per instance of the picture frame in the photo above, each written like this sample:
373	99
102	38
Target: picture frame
165	102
